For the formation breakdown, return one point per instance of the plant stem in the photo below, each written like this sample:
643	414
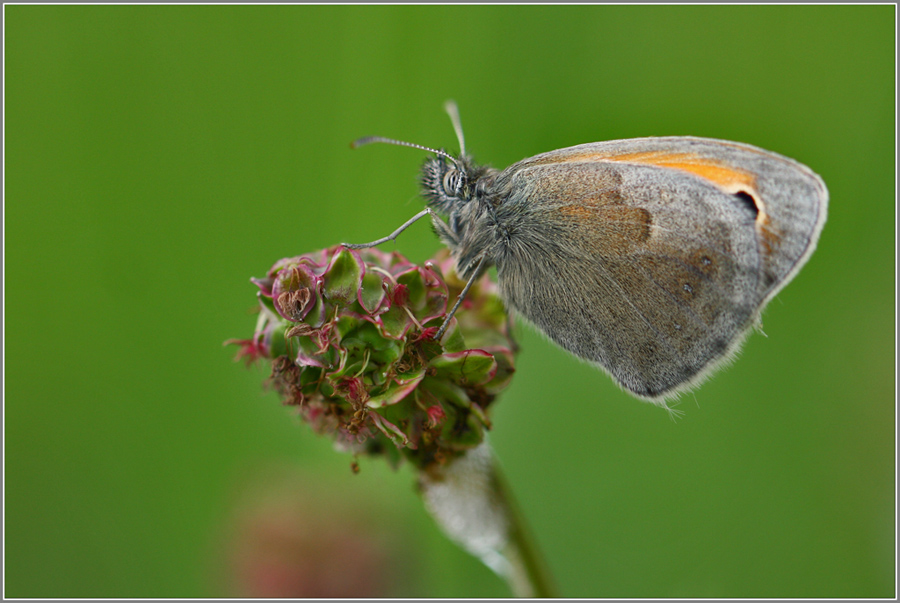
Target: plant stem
530	576
471	501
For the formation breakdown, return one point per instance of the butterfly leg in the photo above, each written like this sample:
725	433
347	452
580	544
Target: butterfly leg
391	236
475	274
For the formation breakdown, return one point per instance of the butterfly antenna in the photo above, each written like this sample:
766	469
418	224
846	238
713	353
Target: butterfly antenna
370	139
453	111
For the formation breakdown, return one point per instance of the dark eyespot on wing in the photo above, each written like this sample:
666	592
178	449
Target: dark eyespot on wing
747	201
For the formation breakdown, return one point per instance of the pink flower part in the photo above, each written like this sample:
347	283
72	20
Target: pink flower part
436	415
430	277
353	388
393	432
307	360
322	338
427	334
400	295
250	351
315	262
264	284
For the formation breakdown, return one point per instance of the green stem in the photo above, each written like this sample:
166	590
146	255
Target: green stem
530	576
471	501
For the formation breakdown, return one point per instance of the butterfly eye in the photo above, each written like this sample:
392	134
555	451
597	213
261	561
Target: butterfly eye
451	182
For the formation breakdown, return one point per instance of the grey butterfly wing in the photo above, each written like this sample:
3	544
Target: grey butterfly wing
652	257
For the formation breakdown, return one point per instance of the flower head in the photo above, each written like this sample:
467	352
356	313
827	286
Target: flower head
350	334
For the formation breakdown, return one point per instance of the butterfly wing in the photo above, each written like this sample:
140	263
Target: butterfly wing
652	257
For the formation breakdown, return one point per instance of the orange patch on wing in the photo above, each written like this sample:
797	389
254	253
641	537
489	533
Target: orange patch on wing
728	178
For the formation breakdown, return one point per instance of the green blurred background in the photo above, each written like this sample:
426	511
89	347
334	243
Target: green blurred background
157	157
